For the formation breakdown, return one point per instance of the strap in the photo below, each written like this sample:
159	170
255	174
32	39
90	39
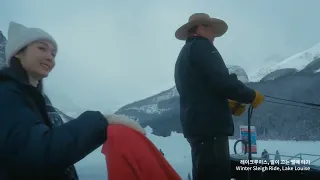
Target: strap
33	105
36	110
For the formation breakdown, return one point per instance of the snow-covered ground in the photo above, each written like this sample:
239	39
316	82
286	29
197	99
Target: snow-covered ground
177	152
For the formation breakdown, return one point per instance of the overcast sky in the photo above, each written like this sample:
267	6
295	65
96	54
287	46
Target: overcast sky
114	52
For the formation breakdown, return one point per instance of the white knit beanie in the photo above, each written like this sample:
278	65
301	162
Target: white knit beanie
20	36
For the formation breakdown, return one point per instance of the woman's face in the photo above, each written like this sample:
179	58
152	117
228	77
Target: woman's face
38	59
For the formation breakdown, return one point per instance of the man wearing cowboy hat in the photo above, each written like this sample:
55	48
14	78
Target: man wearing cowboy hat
205	86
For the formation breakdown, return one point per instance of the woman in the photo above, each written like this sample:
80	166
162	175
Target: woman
32	146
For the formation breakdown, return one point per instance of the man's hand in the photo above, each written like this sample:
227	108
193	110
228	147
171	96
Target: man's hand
259	98
236	108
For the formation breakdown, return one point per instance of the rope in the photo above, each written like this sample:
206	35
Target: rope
294	105
250	110
311	106
299	102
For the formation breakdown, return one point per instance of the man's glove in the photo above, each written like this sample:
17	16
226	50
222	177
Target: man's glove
257	100
236	108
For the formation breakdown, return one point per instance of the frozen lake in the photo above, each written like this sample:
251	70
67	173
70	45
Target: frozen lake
177	152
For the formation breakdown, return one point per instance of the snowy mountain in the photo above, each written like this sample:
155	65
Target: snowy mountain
296	62
279	73
146	109
3	41
239	71
294	79
162	102
64	103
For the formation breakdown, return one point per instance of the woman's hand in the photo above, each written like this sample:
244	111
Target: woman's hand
125	121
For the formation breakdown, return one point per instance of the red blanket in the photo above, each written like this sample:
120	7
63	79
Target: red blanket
130	155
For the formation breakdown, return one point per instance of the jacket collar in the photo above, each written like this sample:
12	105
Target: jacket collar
195	37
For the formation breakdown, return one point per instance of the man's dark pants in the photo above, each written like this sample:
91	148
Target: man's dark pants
210	158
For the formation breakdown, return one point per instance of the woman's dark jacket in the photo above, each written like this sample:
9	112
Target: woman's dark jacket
33	145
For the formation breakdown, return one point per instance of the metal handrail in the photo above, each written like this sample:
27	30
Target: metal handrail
298	156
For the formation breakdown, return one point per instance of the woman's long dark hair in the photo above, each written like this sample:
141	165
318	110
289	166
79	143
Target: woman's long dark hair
15	64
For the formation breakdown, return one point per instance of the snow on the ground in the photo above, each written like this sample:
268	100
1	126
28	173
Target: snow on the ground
297	61
177	152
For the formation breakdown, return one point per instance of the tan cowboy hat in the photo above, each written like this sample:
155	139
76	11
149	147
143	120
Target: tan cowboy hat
220	27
